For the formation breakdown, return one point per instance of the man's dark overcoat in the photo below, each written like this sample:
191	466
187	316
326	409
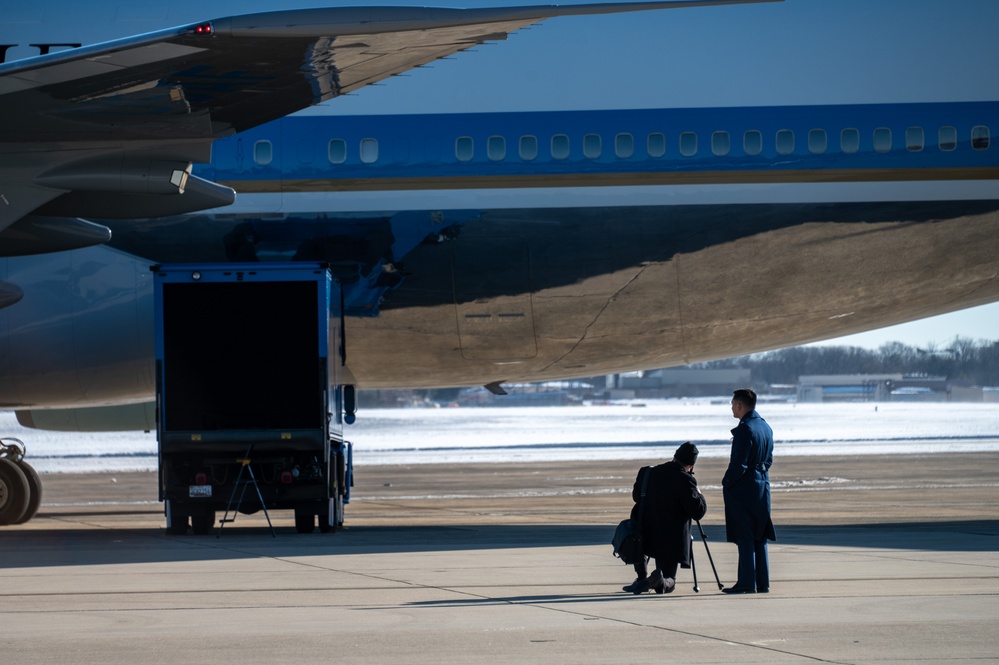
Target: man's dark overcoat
746	485
671	501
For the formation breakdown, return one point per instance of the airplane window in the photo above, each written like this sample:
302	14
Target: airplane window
817	141
688	144
496	148
369	151
591	146
980	137
656	144
947	138
263	152
849	141
882	139
624	146
914	139
785	142
464	149
528	147
721	144
752	142
560	146
337	151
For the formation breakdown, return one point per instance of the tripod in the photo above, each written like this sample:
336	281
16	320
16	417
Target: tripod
240	486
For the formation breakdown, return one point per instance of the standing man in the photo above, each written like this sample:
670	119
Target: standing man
671	501
746	489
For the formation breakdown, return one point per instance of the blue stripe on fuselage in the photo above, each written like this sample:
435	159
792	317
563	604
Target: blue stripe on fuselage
421	146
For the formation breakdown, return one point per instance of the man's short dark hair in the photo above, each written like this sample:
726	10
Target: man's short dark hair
746	396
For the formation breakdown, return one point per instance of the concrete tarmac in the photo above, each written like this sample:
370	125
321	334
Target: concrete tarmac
879	560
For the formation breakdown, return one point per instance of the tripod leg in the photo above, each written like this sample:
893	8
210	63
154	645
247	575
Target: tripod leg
263	506
704	537
229	505
693	566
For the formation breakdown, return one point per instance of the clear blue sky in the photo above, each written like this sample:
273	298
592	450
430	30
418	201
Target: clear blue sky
977	323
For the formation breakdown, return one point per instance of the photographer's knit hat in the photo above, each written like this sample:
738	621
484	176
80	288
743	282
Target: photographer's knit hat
686	454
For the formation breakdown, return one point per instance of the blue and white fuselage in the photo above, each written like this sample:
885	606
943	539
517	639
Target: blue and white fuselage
801	154
551	244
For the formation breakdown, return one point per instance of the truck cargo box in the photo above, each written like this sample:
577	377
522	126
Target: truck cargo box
248	364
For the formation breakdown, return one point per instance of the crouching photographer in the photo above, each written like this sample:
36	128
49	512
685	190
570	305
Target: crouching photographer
671	501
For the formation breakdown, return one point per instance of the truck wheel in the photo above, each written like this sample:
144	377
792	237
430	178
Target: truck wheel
176	519
202	521
14	492
305	519
324	519
338	507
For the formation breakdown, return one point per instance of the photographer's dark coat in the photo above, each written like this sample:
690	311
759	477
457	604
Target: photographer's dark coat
746	485
671	501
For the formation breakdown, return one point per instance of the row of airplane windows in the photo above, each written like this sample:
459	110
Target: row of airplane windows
721	144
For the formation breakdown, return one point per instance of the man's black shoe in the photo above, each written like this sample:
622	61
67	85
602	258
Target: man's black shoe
634	585
738	589
764	589
655	581
668	585
640	586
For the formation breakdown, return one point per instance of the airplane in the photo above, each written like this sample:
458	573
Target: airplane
474	248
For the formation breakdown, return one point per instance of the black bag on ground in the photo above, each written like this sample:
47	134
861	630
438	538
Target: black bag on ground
627	540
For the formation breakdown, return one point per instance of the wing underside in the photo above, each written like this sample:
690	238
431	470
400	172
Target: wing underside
127	118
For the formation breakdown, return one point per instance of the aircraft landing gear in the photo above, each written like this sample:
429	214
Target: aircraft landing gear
20	486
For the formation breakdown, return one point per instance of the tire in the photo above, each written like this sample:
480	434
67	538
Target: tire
338	510
305	519
202	521
177	519
15	493
324	519
35	489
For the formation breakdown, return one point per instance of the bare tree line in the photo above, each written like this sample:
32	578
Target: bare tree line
964	362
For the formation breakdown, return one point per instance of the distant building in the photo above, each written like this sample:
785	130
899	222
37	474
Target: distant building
549	393
872	388
679	382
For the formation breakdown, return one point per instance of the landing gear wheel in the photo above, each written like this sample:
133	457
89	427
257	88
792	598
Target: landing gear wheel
34	491
14	492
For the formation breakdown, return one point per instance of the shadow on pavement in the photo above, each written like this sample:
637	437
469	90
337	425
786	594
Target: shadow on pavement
34	547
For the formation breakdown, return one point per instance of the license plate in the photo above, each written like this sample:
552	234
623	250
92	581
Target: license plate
200	491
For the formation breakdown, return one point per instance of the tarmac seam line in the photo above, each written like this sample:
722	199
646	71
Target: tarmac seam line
588	616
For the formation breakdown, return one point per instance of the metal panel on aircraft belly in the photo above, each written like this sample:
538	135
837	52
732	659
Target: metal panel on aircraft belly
492	291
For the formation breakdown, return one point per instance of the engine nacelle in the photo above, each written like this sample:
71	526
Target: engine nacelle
123	418
131	174
81	335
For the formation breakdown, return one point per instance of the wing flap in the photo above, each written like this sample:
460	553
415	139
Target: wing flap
371	58
100	64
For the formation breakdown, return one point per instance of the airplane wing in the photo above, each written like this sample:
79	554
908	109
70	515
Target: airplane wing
127	117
